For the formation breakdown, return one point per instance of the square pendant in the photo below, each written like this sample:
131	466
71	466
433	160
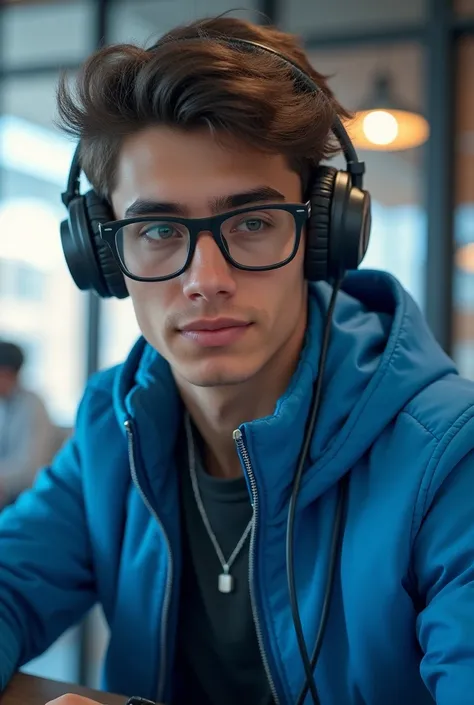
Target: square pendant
226	582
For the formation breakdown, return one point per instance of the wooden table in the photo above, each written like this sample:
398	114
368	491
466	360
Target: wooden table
24	689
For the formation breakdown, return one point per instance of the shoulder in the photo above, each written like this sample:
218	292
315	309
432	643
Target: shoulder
444	409
445	403
106	391
99	391
96	416
444	413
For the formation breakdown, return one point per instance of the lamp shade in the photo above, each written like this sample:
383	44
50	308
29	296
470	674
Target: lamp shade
464	258
385	123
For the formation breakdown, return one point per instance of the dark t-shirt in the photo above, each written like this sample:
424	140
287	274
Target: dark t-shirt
218	658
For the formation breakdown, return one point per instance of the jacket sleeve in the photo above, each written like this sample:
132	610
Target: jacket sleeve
444	566
46	571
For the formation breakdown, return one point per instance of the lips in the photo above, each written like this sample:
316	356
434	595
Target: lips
219	332
204	324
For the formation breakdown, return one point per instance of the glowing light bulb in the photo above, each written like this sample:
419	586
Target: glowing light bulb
380	127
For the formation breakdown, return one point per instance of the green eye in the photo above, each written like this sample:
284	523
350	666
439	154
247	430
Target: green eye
161	231
253	224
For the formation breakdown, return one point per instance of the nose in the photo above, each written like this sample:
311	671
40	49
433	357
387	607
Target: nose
209	274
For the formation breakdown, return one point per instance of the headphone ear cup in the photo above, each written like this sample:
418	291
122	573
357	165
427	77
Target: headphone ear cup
338	230
98	211
316	263
78	249
88	257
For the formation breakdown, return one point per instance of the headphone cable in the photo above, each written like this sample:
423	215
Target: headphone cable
334	552
313	416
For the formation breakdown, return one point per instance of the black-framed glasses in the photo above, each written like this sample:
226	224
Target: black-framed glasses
157	248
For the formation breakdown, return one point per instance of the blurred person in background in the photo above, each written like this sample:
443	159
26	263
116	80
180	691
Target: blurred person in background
26	432
169	506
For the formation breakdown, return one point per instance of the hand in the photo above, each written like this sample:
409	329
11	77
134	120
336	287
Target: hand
72	699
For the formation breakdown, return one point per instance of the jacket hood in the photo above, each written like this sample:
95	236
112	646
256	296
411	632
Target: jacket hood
381	354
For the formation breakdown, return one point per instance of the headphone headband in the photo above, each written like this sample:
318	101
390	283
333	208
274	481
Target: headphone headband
337	232
355	167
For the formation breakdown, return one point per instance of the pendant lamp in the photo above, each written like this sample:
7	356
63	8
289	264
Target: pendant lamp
385	123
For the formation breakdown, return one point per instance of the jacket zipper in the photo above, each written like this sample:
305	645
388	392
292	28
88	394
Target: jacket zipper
169	579
243	452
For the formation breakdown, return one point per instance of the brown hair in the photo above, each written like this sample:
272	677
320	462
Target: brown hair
123	89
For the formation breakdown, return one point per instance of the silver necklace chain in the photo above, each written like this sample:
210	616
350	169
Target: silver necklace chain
225	579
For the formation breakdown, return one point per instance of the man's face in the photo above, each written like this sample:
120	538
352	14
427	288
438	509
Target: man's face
8	381
190	169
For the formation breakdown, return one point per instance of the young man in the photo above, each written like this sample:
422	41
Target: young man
170	505
26	432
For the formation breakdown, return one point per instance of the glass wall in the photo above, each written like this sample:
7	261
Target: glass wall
394	179
41	33
143	21
39	306
464	214
320	18
119	330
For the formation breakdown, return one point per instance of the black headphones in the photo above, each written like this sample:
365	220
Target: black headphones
337	232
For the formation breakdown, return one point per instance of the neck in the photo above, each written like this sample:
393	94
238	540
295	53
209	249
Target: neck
218	411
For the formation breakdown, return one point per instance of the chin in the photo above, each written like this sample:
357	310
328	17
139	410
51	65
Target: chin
216	373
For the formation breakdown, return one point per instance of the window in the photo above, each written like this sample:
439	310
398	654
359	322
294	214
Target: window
394	179
463	293
319	18
144	21
40	307
22	282
119	330
42	33
38	300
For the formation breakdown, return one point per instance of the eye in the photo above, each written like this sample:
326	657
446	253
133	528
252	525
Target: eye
159	231
251	225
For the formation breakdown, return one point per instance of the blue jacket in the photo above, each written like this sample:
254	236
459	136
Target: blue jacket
102	523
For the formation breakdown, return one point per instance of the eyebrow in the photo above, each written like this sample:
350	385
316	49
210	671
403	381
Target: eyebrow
261	194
